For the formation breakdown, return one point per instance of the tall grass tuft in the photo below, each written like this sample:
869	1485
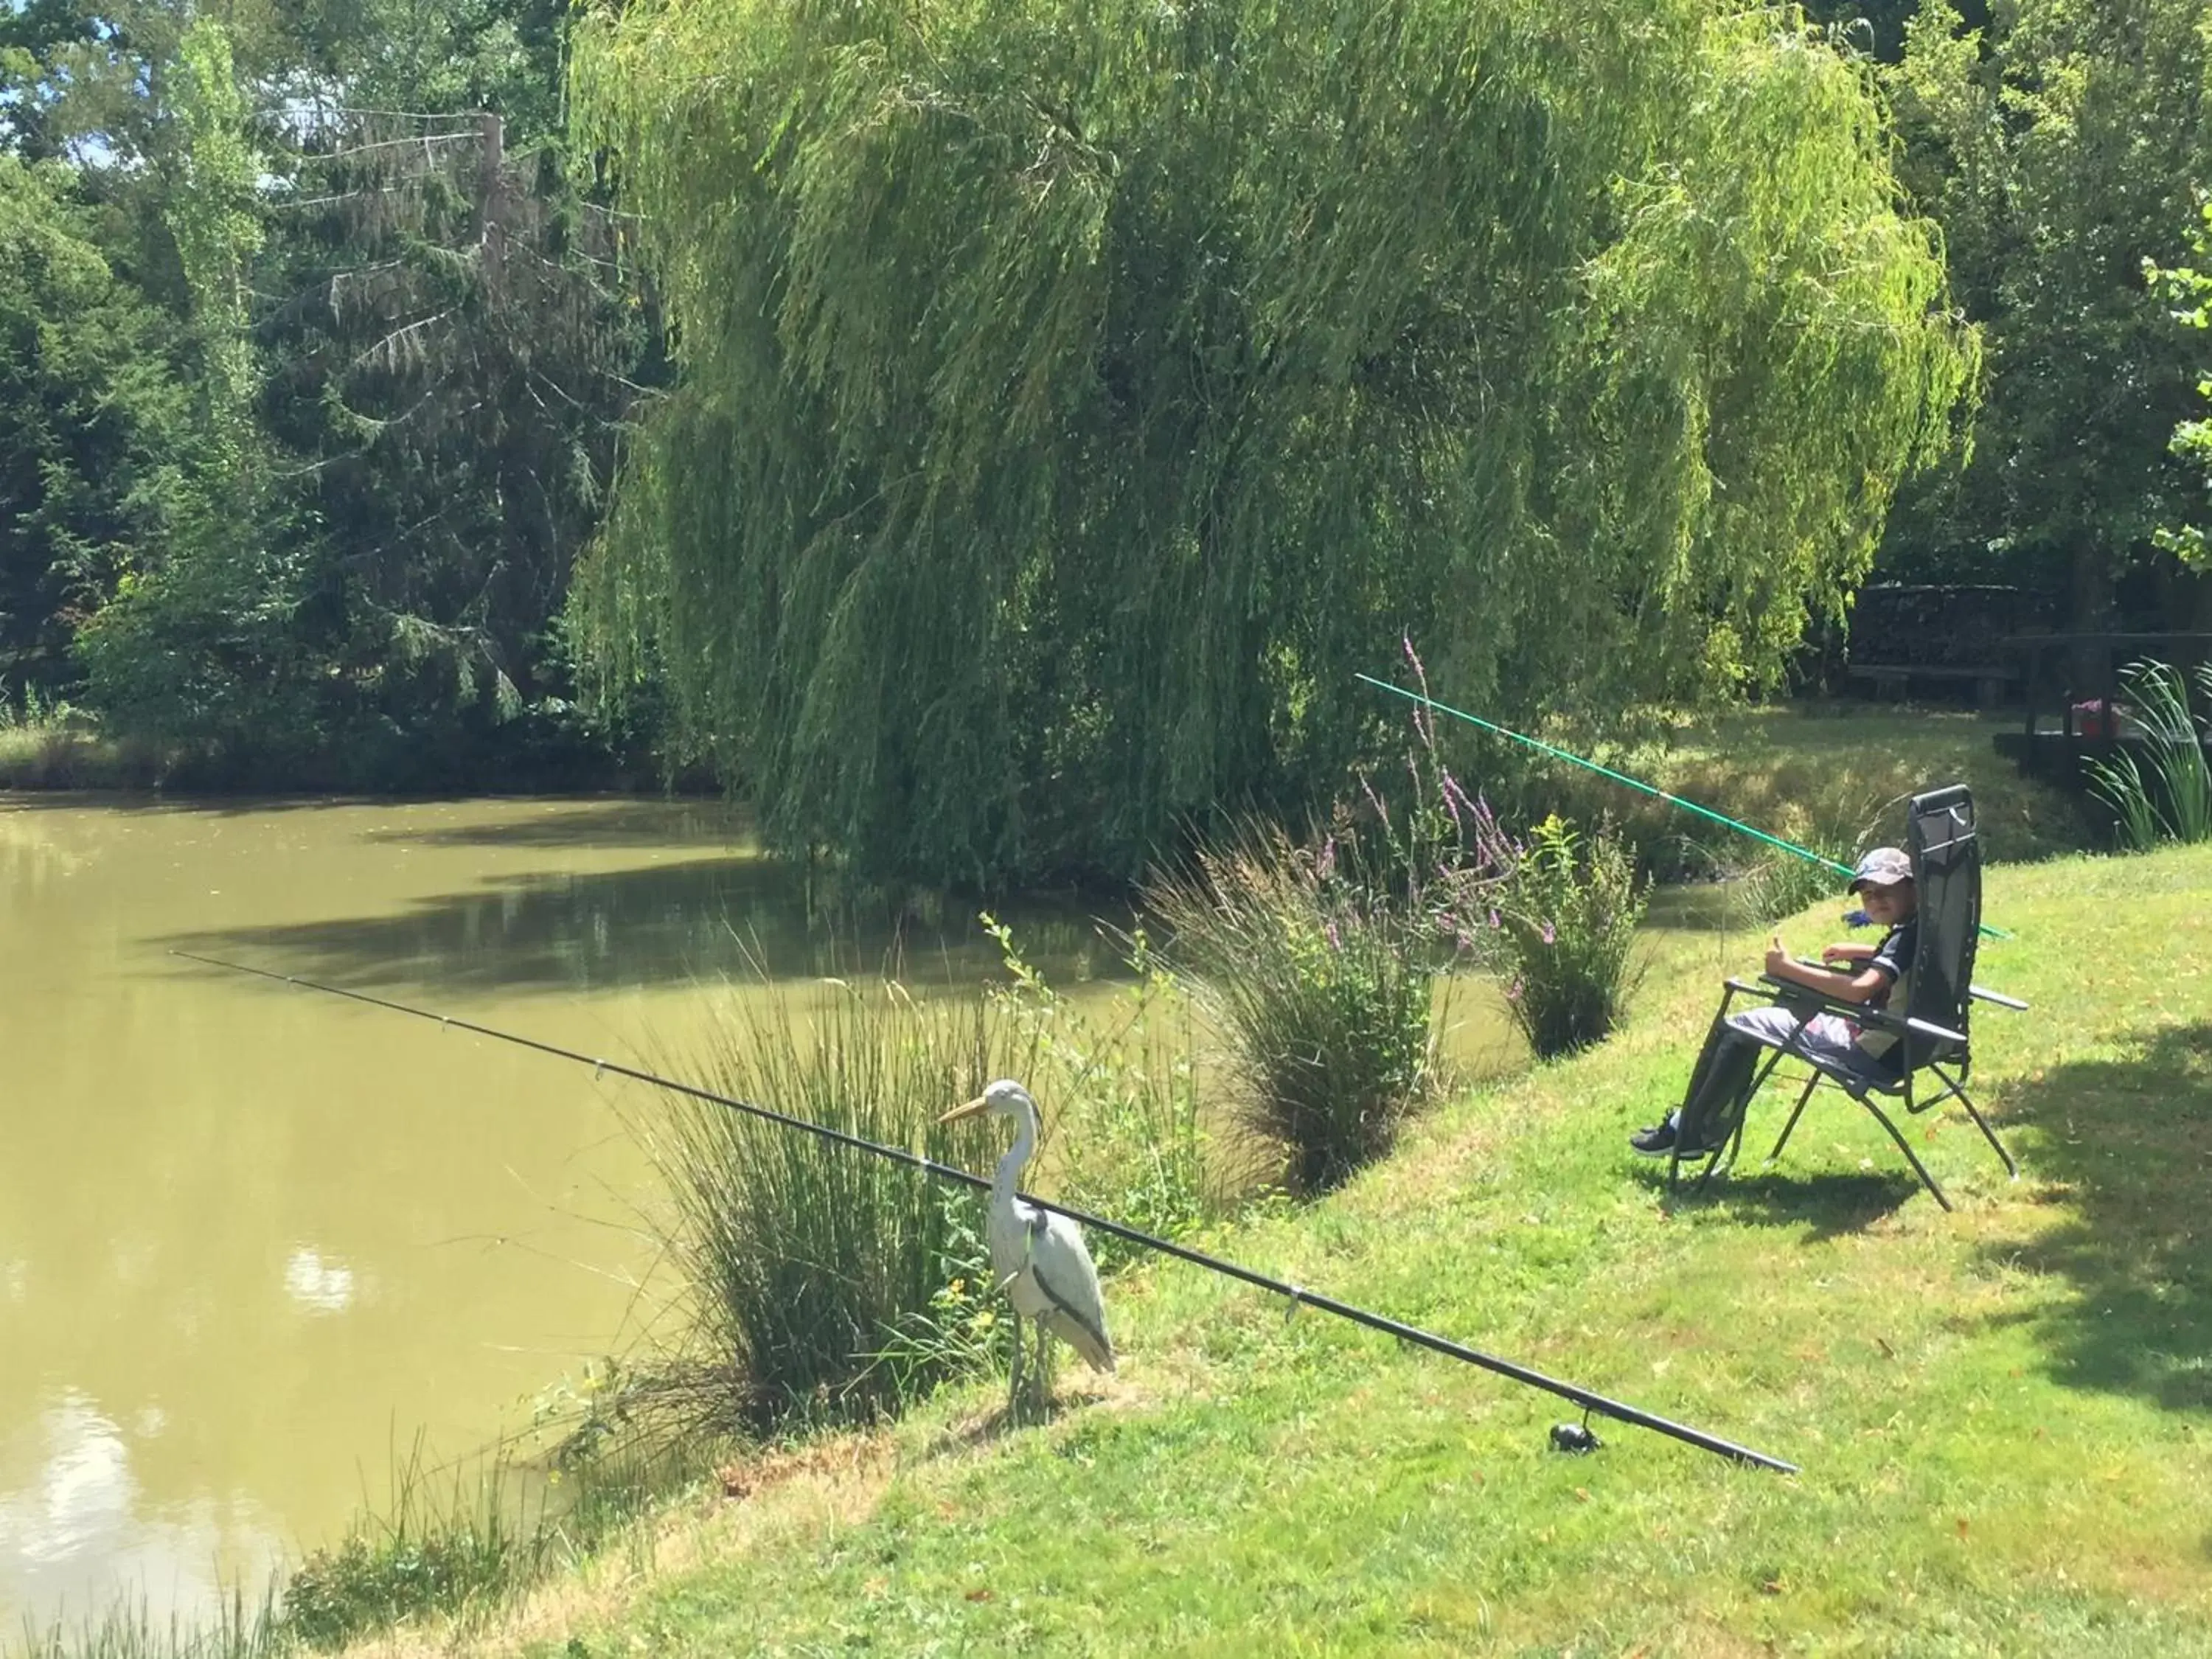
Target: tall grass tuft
2167	795
806	1261
239	1629
1564	934
1321	984
414	1564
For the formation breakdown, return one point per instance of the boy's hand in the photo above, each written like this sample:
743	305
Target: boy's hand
1777	959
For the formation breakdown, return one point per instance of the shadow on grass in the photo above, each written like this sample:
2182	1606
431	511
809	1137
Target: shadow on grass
2127	1142
1819	1207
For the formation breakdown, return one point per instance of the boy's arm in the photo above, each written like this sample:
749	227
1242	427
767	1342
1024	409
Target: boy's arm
1847	951
1867	983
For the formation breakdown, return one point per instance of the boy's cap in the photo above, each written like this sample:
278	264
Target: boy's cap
1885	867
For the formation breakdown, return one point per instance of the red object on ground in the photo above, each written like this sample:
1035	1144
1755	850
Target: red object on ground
2094	719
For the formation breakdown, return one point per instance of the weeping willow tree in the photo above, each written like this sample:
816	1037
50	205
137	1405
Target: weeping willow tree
1072	395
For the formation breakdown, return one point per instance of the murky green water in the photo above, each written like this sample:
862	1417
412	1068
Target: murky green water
254	1240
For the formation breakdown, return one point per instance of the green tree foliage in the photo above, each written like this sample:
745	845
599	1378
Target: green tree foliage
93	418
197	645
2056	145
407	357
454	366
1074	397
2188	291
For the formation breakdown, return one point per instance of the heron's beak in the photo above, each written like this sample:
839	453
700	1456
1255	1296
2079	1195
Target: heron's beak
966	1109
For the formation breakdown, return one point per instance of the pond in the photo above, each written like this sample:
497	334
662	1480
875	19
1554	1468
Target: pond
259	1246
255	1240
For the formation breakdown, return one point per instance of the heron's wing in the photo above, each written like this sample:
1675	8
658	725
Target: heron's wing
1062	1269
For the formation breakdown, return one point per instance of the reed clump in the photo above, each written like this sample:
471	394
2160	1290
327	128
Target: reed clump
803	1259
2166	795
238	1630
1320	986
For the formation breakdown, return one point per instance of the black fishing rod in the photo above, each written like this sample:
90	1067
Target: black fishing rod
1298	1295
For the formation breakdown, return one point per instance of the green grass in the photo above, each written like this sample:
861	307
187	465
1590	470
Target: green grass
2004	1416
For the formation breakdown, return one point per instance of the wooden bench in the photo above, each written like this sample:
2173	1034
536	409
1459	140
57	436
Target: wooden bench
1893	679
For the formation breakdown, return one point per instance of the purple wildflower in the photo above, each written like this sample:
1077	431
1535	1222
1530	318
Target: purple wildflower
1415	657
1513	992
1374	800
1454	795
1550	934
1495	923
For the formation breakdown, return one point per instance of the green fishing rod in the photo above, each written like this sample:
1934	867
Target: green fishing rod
1706	812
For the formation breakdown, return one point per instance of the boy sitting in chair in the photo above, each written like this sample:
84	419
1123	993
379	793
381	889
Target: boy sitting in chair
1720	1086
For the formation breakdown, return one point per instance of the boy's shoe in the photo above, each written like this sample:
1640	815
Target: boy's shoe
1658	1140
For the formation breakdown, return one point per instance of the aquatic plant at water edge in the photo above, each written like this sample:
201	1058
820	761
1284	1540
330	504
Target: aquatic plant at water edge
1563	934
460	1549
2166	795
238	1630
802	1259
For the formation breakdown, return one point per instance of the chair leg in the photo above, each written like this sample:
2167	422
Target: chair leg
1905	1146
1980	1122
1796	1112
1712	1163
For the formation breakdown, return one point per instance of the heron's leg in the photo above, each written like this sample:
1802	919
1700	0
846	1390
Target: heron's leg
1040	1374
1014	1382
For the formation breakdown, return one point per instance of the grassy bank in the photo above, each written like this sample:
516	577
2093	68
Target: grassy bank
2002	1414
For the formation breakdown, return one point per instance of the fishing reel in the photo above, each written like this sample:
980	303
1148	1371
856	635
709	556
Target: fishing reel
1575	1438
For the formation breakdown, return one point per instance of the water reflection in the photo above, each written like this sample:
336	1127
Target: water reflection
319	1285
71	1517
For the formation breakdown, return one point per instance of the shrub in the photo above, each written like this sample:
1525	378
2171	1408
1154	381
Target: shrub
1563	933
1321	984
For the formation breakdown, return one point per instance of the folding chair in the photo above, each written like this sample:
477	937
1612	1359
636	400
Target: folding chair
1931	1030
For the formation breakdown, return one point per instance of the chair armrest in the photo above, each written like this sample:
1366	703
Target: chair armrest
1880	1018
1928	1028
1980	992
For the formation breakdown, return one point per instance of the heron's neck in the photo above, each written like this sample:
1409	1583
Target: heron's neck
1010	1166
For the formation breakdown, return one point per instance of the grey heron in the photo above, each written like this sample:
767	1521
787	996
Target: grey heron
1039	1258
